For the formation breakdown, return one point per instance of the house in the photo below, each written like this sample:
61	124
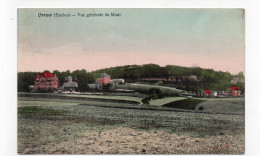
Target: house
153	79
214	93
171	79
103	81
103	78
70	84
205	93
46	81
233	91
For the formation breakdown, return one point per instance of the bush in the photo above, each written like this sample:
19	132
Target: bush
185	104
201	108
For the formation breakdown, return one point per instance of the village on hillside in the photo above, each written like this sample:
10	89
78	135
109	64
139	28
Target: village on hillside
49	82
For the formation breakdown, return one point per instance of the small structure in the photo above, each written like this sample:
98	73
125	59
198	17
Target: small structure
31	88
103	81
205	93
214	93
114	82
221	93
70	84
46	81
103	78
233	91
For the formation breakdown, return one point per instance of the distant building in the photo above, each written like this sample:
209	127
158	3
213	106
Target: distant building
234	91
221	93
153	79
46	81
103	82
103	78
173	79
31	88
114	82
214	93
70	84
205	93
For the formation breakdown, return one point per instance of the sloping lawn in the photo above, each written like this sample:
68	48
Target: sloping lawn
163	101
144	87
131	98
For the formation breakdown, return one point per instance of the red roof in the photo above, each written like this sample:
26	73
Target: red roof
207	91
234	88
45	74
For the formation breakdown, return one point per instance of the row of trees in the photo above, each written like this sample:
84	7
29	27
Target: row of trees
208	78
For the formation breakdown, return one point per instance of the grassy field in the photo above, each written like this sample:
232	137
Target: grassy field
222	105
39	111
128	98
105	98
145	87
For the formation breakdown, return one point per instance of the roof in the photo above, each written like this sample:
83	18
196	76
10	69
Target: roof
207	91
103	75
45	74
72	79
234	88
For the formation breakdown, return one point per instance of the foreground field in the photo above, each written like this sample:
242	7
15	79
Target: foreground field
97	127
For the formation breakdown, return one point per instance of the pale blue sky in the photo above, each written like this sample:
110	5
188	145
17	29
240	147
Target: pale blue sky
214	36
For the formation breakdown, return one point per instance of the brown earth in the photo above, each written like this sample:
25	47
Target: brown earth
87	129
124	140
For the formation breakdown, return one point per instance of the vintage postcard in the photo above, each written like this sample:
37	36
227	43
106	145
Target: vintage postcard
131	81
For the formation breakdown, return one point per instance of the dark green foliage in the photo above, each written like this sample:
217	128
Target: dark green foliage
155	93
185	104
83	78
146	100
38	111
25	79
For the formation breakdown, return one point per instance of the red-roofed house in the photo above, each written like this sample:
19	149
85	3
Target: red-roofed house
234	91
103	81
46	81
205	93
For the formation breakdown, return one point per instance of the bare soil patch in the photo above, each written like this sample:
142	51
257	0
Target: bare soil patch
124	140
